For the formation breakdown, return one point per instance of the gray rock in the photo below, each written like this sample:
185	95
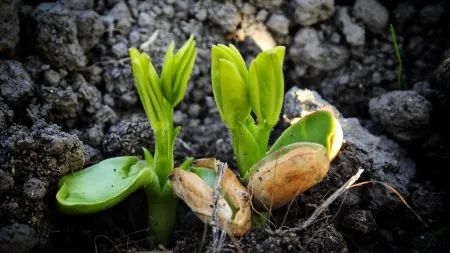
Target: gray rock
279	24
43	150
144	19
80	4
128	138
360	221
169	11
194	110
90	28
431	14
262	15
403	114
6	182
201	15
120	84
404	12
56	37
89	97
122	16
372	13
120	50
61	105
381	158
300	102
310	50
354	34
226	15
310	12
17	238
93	155
52	78
35	189
16	86
92	136
6	115
9	27
106	115
248	9
269	5
134	37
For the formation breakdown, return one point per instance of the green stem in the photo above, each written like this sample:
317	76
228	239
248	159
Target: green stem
262	137
161	213
163	155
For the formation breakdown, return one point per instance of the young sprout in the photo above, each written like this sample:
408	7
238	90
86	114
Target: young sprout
299	158
105	184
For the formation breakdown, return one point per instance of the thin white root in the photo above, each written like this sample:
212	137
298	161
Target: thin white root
218	232
145	46
332	198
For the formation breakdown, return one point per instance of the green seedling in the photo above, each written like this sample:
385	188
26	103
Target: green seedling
399	58
307	145
105	184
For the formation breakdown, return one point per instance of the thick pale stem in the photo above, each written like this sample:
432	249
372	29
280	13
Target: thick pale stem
161	213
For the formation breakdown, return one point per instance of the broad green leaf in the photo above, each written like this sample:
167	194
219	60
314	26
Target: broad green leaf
317	127
102	185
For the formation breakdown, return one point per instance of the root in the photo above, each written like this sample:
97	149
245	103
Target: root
396	193
330	199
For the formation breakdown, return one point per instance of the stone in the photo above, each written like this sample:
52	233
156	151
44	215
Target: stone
120	50
9	27
279	24
35	189
310	12
431	14
80	5
6	182
269	5
17	238
90	28
56	37
16	86
360	222
405	115
226	15
354	33
300	102
374	15
308	49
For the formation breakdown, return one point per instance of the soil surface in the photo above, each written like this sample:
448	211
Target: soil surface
68	100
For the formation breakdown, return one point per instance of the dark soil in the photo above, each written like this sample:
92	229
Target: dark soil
68	100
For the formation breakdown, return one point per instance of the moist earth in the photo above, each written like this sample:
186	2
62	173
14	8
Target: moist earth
68	100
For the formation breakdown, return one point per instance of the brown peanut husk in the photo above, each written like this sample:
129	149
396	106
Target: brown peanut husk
283	175
197	194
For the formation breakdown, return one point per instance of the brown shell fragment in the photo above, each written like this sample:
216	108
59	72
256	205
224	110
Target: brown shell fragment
197	194
286	173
